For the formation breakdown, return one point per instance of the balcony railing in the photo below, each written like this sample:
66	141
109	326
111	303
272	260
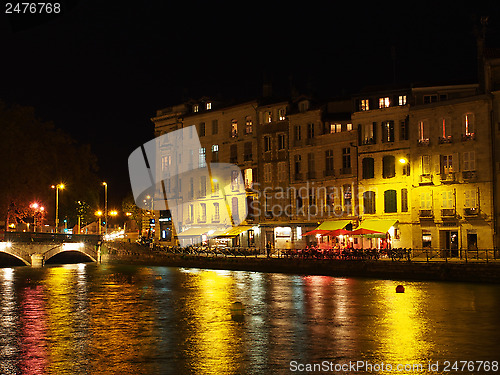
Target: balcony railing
425	213
424	142
328	173
425	179
469	175
448	177
368	141
468	137
447	139
447	212
471	211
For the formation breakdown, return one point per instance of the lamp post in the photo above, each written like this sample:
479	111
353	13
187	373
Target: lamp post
37	209
105	207
57	188
99	214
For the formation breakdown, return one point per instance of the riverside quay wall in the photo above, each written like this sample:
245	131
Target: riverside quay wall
381	269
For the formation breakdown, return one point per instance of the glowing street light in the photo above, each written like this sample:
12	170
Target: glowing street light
105	207
37	210
57	188
99	215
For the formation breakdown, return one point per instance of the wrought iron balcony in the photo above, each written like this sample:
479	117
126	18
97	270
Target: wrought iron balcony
448	177
447	212
469	175
447	139
425	213
471	211
425	179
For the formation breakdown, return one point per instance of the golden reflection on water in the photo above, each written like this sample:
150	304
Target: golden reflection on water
123	335
214	345
402	326
59	314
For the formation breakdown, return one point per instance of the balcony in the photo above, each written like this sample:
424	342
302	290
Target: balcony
469	175
448	177
468	137
347	170
448	212
447	139
424	142
471	211
425	179
328	173
368	141
425	214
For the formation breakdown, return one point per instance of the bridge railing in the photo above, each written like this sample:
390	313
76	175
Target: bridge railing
40	237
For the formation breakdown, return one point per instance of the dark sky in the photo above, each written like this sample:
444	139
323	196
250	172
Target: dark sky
100	69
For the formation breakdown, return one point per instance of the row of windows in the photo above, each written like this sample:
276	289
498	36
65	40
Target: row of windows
444	128
383	102
201	211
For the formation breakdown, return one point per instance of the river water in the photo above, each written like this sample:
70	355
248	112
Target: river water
119	319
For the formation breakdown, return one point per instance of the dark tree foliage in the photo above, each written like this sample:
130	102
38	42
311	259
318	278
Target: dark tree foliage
34	155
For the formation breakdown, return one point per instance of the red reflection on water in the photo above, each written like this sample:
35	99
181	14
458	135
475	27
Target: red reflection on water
33	331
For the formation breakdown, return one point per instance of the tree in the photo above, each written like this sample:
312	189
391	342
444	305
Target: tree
35	155
136	213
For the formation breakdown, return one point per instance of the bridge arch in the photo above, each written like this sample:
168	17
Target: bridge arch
80	247
15	256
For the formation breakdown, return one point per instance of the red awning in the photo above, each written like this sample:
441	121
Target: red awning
338	232
317	231
362	231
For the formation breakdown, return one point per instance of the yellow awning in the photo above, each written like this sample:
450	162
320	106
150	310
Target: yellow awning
333	224
378	225
191	232
234	231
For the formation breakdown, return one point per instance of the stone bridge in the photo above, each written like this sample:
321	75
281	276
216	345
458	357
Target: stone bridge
33	249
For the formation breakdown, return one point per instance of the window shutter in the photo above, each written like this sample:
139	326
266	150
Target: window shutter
374	132
466	164
438	162
472	160
391	131
456	163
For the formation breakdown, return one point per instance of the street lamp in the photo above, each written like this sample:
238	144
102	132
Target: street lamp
105	207
99	214
57	188
37	209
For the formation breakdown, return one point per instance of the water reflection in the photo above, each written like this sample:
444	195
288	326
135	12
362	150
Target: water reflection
215	343
110	319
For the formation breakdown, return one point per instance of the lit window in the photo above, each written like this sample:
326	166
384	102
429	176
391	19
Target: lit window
349	127
402	99
446	164
196	108
383	102
248	178
445	128
423	132
268	116
469	124
248	125
281	114
209	105
166	161
234	128
365	104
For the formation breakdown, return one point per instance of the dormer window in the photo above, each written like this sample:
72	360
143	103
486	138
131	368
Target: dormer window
196	108
364	105
304	106
383	102
281	114
208	106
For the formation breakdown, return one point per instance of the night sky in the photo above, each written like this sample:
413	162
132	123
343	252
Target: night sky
100	70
